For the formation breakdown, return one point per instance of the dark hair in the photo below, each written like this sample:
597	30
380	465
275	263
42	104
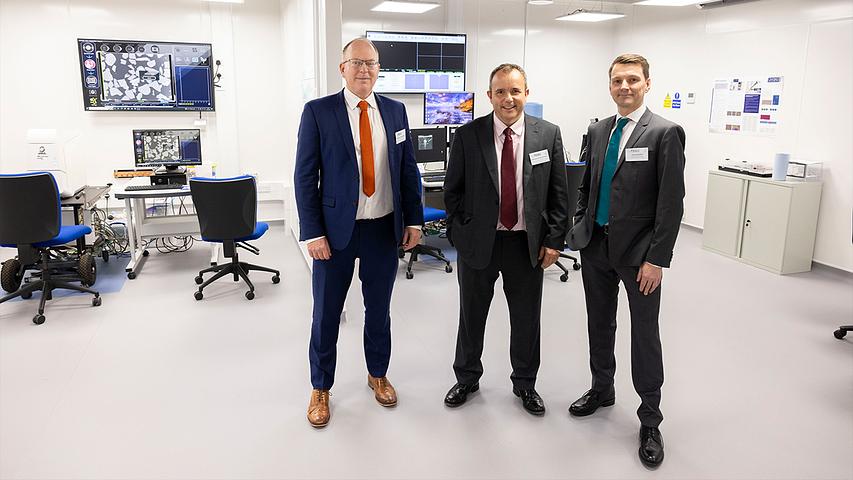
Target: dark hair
506	68
631	58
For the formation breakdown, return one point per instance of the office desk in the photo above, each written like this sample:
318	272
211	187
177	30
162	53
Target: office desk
141	226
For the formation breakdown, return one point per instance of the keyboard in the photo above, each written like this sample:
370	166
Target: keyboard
137	188
433	178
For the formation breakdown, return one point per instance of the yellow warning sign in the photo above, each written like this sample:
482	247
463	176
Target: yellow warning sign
667	102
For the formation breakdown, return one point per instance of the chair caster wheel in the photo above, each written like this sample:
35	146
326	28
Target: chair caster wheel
576	266
145	253
401	253
448	268
131	275
198	295
564	278
250	295
96	302
410	275
839	334
199	280
38	319
276	279
27	295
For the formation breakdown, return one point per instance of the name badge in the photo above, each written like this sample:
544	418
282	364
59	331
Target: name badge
637	154
539	157
400	136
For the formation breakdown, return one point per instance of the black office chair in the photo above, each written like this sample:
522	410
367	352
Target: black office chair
30	221
227	214
430	215
574	176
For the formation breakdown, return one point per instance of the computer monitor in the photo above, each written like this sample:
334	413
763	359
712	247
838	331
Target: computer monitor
430	147
170	149
411	62
143	75
442	108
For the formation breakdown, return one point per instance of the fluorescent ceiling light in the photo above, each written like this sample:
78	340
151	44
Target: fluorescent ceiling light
581	15
404	7
224	1
667	3
540	2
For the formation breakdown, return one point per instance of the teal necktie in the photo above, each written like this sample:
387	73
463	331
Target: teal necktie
611	158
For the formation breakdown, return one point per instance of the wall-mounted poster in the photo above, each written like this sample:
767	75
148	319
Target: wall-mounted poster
746	105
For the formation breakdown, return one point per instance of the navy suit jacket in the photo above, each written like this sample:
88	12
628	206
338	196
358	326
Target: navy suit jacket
327	180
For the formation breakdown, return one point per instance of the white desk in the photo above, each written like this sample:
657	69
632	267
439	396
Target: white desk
141	227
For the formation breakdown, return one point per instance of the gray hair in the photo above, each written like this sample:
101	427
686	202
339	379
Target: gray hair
359	39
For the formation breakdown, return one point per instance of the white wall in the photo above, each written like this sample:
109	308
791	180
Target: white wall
40	82
809	43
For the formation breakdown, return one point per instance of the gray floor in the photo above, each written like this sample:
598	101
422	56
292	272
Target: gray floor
156	385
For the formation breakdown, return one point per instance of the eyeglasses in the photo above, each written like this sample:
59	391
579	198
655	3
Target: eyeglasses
357	63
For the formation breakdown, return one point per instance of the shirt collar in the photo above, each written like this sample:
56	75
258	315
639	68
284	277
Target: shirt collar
352	99
517	127
634	116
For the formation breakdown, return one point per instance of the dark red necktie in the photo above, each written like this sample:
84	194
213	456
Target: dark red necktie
509	202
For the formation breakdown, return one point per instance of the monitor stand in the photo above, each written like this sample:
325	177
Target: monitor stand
170	169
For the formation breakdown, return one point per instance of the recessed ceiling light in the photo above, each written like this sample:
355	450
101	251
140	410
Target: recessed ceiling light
667	3
540	2
404	7
581	15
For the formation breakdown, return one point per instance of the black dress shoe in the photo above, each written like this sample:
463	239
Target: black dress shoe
651	446
590	401
531	400
459	394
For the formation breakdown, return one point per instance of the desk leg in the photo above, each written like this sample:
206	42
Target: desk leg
133	232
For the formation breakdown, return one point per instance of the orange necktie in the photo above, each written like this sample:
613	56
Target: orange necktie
368	179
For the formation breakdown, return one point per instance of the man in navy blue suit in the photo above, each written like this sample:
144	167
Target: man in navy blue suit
358	196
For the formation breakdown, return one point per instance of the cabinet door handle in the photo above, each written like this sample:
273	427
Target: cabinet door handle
747	222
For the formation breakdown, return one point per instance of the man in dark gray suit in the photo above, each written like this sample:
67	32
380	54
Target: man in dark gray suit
629	210
507	214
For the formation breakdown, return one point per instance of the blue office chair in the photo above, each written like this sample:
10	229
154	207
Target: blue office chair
227	213
30	221
430	215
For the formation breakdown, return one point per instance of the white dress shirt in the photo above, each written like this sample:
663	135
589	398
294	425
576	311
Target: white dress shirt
381	203
517	152
628	129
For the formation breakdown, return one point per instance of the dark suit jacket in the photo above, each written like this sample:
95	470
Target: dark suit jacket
471	190
646	198
327	180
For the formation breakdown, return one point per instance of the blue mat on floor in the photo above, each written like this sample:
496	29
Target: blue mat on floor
111	278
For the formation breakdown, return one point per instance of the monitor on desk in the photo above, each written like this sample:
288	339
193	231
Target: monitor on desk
430	148
171	150
444	108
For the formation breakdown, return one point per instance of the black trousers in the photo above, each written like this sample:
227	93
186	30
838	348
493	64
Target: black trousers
601	289
523	289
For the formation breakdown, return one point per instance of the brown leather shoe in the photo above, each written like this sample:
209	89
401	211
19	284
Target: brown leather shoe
383	391
318	409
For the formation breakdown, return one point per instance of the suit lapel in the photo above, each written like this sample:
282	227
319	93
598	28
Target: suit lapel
486	136
344	128
389	132
601	148
532	141
638	132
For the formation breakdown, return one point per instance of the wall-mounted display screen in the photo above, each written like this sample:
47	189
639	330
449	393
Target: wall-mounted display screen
146	75
448	108
419	62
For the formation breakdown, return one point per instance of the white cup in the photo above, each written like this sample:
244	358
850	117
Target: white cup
780	166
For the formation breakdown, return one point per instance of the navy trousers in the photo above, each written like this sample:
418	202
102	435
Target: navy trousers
373	242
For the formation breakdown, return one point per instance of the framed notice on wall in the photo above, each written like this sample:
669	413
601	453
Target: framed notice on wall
746	105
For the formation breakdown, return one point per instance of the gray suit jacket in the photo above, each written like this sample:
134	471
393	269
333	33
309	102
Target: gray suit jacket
646	197
471	190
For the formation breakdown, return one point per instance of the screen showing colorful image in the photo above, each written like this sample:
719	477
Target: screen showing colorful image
448	108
